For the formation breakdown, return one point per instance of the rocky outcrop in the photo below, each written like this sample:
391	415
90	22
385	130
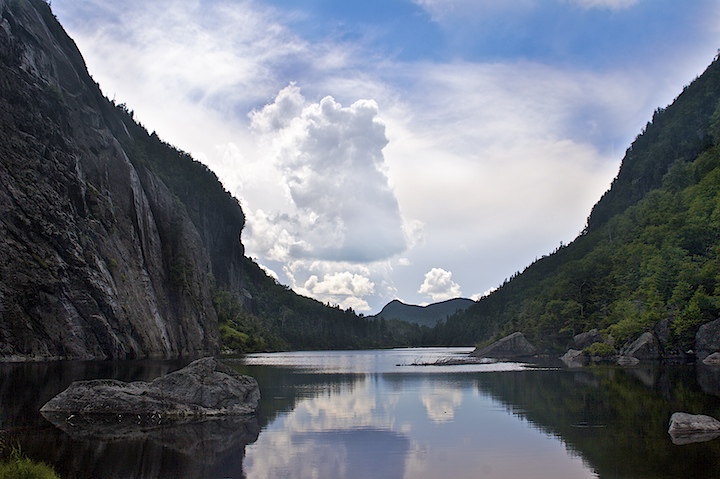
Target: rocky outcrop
204	388
689	428
509	347
644	348
104	252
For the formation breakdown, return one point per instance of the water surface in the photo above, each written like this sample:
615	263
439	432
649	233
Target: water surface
385	414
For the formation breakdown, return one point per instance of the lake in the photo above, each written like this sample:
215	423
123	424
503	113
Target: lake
385	414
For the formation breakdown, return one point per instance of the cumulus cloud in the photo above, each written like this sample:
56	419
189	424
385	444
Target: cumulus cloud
340	203
439	285
346	285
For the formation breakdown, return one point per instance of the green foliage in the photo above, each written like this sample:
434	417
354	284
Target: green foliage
241	331
18	466
600	350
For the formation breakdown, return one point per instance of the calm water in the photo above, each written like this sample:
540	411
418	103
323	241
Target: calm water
378	414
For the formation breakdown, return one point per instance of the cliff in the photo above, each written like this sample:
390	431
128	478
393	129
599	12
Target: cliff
106	250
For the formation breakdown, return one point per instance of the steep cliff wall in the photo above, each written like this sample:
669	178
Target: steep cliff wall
103	253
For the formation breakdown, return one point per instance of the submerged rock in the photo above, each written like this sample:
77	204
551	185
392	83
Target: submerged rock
204	388
627	361
512	346
689	428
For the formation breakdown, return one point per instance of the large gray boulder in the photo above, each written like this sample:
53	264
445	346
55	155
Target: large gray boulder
509	347
204	388
689	428
644	348
707	339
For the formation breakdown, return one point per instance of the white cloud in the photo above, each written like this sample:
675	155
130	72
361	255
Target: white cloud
347	285
341	206
439	285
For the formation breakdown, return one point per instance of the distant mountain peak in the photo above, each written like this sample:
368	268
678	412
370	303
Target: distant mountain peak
428	315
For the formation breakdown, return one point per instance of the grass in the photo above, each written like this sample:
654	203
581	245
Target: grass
18	466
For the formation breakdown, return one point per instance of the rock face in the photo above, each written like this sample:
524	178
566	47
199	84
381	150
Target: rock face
707	339
509	347
204	388
583	340
689	428
105	250
646	347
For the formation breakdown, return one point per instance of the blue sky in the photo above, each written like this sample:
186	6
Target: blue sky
409	149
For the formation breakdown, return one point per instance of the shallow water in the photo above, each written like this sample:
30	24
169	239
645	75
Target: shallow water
382	414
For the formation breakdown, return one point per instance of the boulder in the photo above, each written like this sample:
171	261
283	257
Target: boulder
204	388
509	347
646	347
689	428
707	339
574	358
712	360
583	340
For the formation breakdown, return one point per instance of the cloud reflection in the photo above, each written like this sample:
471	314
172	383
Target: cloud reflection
441	403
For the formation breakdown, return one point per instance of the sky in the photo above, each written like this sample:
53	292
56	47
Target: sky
417	150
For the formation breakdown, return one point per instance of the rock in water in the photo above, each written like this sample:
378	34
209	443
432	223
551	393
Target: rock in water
204	388
512	346
712	360
689	428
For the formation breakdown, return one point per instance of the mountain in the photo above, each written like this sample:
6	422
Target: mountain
428	315
648	258
114	244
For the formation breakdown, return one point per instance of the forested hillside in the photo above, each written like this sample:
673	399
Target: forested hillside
649	257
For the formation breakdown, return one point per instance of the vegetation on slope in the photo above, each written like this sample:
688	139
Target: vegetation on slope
650	252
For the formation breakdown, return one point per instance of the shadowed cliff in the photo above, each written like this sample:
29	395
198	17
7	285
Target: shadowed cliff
105	251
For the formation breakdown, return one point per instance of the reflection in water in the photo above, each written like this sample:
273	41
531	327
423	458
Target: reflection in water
440	403
368	418
358	414
210	449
